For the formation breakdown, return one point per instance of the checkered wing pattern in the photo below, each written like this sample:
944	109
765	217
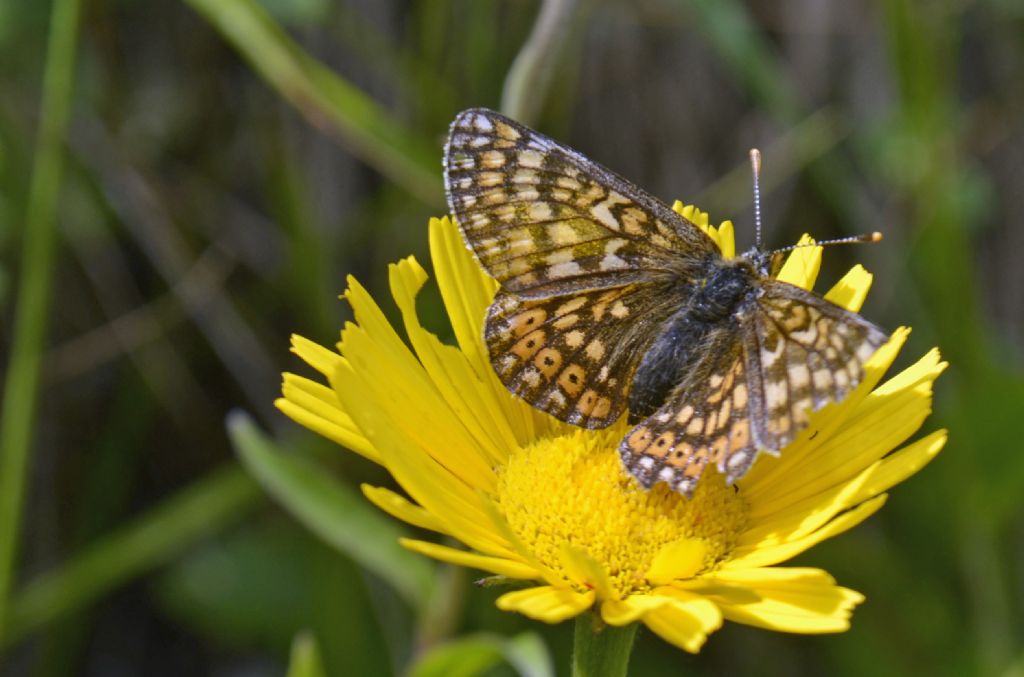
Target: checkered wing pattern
574	356
706	420
808	352
546	221
754	388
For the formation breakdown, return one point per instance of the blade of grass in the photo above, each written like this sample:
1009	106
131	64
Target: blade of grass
334	512
194	513
305	659
21	387
529	78
327	100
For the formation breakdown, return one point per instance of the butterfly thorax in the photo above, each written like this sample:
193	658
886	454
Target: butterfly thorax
711	306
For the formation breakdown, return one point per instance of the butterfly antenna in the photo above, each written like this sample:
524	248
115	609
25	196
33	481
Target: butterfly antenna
863	238
755	166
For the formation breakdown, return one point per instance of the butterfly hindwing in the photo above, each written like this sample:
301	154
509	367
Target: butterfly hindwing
706	420
574	356
544	220
808	352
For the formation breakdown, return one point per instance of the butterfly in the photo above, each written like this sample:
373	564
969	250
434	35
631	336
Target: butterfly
611	301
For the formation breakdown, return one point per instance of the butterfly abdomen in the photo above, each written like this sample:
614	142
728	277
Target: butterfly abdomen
684	337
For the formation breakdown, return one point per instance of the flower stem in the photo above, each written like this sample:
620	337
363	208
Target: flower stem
601	650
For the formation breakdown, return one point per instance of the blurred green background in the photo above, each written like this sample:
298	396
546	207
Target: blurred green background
183	184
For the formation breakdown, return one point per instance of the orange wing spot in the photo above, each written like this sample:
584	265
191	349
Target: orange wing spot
718	449
571	379
696	426
639	440
566	321
593	404
527	346
595	350
698	459
548	361
739	397
528	320
739	436
598	310
662	445
571	306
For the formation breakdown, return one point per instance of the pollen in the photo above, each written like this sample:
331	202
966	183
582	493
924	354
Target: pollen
572	490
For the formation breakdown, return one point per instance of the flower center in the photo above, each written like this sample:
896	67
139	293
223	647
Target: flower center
573	490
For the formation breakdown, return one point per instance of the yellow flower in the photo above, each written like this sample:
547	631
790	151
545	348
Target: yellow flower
548	504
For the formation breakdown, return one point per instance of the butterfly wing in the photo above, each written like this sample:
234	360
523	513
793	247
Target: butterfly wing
574	356
808	352
707	419
545	221
754	388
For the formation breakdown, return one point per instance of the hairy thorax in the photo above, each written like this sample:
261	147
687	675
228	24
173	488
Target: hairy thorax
710	307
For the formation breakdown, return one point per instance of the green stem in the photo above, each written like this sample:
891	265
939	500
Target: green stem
601	650
22	384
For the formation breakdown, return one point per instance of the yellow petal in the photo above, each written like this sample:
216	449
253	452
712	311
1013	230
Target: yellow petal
727	239
679	559
494	565
429	483
545	603
323	360
782	599
852	289
587	571
760	554
317	408
621	612
397	506
465	289
450	371
395	384
802	265
686	621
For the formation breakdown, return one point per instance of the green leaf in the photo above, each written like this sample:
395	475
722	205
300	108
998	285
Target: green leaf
476	654
333	511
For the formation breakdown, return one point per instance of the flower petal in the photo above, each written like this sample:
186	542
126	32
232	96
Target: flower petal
395	384
852	289
315	355
450	372
317	407
762	554
802	265
621	612
783	599
545	603
679	559
495	565
587	571
400	508
685	621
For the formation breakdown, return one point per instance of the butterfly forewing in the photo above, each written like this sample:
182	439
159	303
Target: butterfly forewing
544	220
808	352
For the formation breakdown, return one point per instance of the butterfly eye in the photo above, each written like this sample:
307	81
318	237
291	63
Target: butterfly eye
775	265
